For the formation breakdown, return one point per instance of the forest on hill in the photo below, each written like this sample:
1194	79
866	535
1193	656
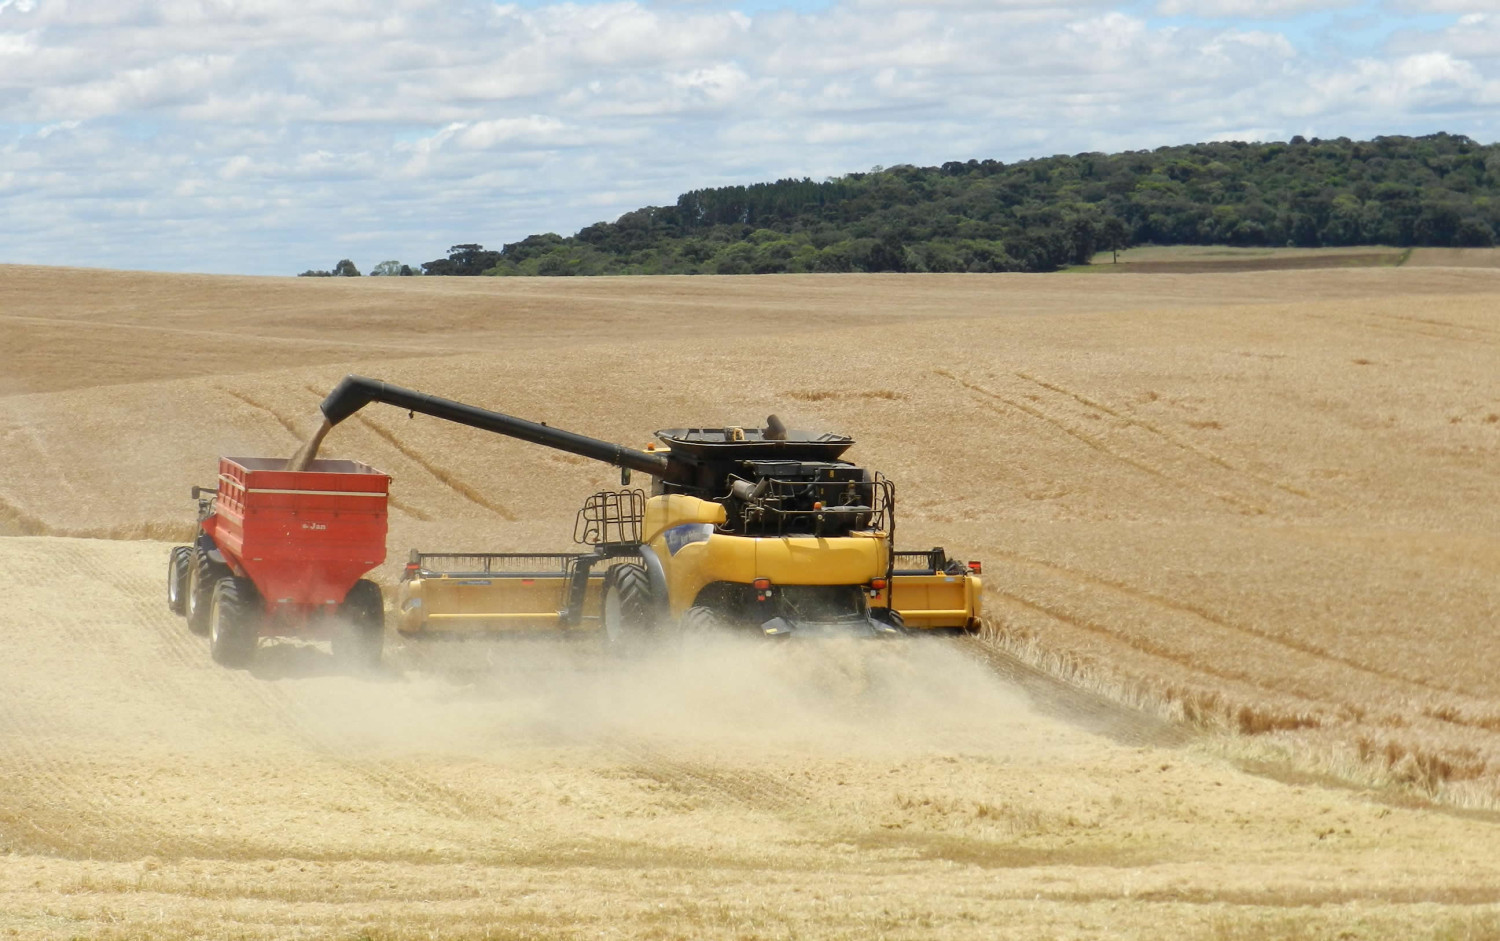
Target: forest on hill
1043	214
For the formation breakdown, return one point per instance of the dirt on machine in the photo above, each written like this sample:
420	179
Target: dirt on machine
758	531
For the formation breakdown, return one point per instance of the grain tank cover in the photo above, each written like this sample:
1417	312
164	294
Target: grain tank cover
751	444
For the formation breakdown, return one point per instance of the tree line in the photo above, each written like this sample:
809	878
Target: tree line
1043	214
347	269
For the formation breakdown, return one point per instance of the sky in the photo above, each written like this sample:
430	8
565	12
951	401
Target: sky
272	136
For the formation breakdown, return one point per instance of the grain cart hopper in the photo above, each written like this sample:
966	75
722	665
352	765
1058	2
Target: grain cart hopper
763	530
281	552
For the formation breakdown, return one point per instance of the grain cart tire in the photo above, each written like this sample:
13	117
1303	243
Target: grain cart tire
360	635
203	574
177	578
628	607
234	621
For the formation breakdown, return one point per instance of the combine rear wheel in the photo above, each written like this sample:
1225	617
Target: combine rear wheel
359	639
234	618
699	623
627	606
203	573
177	578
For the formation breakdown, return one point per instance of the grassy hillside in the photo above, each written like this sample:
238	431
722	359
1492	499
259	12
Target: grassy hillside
1040	215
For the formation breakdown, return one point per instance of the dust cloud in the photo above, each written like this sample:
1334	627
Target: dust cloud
830	697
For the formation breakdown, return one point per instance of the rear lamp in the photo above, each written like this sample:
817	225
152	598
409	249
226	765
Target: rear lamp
976	567
762	584
877	584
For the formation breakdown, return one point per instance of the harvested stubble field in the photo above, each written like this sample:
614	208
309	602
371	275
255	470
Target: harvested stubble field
1262	504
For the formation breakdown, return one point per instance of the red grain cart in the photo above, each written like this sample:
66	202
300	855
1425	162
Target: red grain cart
281	553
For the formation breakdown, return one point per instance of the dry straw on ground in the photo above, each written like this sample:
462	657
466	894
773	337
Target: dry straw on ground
1264	502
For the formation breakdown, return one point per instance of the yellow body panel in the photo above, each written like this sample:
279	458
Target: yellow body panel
681	531
704	557
785	560
673	509
929	601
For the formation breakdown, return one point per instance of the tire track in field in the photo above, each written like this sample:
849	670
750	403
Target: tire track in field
1095	443
300	438
441	475
1139	644
44	809
1397	325
74	323
1415	323
1150	599
70	809
281	419
755	790
1166	436
152	614
1408	330
15	521
444	477
399	784
79	813
1090	711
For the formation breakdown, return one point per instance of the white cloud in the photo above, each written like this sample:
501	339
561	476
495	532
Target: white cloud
50	129
1442	6
254	135
1251	9
1473	36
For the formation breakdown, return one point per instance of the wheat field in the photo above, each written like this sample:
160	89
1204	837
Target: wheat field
1248	518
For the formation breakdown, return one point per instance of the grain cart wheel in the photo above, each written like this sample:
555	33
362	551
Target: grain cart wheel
358	640
234	618
177	578
627	606
203	574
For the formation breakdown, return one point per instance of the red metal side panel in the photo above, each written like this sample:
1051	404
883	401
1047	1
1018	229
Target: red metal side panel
303	537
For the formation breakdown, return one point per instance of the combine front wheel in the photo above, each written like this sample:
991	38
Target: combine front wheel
234	621
358	640
627	606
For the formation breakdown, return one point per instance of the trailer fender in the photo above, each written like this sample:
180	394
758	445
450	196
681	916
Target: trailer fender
205	542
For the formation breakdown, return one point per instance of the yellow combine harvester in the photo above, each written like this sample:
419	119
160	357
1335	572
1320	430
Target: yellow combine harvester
761	530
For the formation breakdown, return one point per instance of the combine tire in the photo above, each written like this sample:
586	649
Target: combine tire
177	578
627	607
234	618
359	638
699	623
203	574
